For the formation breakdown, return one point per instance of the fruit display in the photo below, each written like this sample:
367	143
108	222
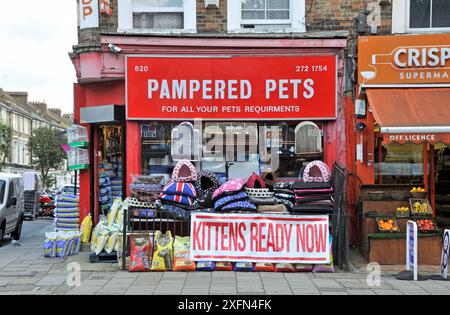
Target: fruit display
426	225
418	190
402	212
387	225
420	207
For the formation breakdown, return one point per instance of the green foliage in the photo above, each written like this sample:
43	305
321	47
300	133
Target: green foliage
5	144
46	152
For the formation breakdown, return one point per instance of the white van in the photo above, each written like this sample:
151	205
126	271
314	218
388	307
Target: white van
11	205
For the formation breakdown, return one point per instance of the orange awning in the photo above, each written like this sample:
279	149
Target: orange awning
412	115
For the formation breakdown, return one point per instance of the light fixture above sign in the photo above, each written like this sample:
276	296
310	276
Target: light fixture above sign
212	3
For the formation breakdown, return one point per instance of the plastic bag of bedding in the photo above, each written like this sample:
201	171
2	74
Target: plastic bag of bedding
244	266
50	244
112	240
205	266
61	246
111	218
100	237
86	229
68	198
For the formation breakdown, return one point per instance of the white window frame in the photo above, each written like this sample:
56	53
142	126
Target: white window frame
125	17
401	20
296	22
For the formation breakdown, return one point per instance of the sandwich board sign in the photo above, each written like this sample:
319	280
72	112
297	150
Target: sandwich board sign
411	249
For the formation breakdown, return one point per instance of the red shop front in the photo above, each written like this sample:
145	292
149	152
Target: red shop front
243	99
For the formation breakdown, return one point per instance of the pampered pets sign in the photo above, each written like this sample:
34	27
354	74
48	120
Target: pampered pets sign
232	87
260	238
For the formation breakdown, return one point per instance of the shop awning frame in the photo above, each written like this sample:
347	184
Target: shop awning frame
417	129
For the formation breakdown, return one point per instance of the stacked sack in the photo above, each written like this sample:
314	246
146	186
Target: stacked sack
179	196
285	194
262	197
67	213
62	244
315	194
230	197
116	187
105	236
105	192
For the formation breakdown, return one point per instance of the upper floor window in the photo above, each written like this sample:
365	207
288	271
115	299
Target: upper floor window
266	15
157	15
429	15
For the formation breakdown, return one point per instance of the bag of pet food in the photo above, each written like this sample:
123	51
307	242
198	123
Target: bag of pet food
329	268
303	268
224	266
244	266
182	254
205	266
86	229
112	215
163	254
100	238
140	254
50	245
264	267
284	268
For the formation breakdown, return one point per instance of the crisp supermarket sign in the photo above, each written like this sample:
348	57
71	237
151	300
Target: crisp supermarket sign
88	14
232	88
260	238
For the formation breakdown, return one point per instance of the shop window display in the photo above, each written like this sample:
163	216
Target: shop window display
398	163
225	146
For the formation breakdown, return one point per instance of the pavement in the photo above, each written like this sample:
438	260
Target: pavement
24	270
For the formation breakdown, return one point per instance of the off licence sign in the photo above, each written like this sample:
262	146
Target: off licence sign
229	88
260	238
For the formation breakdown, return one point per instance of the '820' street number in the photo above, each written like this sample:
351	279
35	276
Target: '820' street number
141	69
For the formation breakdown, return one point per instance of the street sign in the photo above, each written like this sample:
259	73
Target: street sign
411	249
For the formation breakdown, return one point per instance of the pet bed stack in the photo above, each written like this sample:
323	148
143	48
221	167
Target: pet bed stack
262	197
285	194
207	183
231	198
315	194
145	192
179	196
67	213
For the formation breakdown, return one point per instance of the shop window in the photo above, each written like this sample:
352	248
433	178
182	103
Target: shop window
308	138
429	14
157	15
266	15
398	163
415	16
224	145
185	141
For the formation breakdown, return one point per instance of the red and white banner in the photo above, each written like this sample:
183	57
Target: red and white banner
232	87
260	238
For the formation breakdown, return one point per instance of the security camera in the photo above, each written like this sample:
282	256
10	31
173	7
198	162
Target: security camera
114	49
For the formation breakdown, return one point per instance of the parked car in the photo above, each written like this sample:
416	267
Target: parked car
68	189
11	205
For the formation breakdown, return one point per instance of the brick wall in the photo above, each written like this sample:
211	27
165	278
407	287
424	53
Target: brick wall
342	15
211	19
321	15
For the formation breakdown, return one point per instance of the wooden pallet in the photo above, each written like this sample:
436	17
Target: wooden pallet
103	258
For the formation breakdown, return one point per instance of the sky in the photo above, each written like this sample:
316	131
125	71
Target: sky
35	39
